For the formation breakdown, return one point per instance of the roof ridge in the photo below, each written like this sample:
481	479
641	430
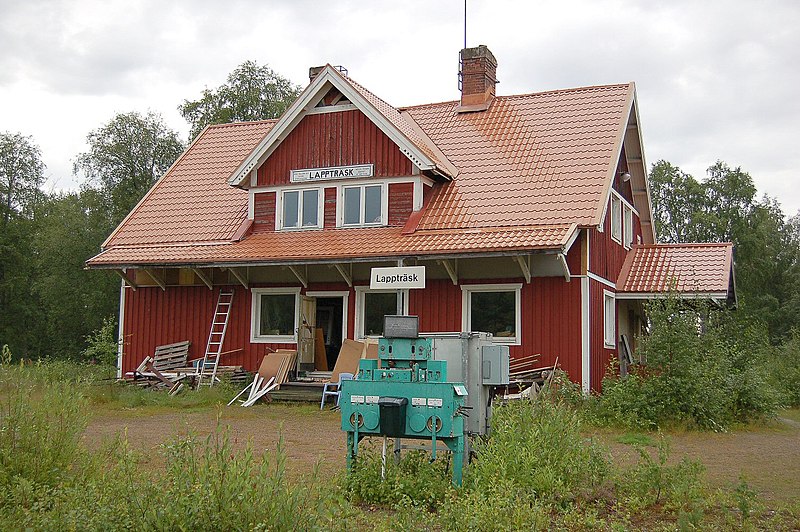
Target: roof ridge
244	122
523	95
682	244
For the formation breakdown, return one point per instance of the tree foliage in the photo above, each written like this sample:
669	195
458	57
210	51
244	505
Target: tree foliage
724	208
126	156
21	175
252	92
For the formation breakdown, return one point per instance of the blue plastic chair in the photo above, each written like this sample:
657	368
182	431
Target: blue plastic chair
326	390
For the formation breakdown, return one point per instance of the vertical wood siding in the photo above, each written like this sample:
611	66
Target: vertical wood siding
264	212
401	202
330	208
606	255
334	139
550	320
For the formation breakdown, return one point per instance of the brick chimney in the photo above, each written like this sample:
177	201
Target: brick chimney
478	77
313	72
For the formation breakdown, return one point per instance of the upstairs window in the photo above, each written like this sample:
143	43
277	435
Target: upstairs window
300	209
616	219
628	227
363	205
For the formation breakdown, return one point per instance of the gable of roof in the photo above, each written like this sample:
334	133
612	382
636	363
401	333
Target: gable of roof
413	145
690	270
192	201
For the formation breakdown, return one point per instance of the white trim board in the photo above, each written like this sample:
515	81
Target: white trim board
585	336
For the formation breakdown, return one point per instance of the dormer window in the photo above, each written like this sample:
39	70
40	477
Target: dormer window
300	209
363	205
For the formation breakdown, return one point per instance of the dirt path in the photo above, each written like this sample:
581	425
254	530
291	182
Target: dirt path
769	458
309	436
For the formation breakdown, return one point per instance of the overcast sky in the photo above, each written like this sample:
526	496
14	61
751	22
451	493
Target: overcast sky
716	80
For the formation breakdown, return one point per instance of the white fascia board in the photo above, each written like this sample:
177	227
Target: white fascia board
295	112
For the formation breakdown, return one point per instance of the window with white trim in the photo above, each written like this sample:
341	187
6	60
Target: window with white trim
627	239
616	219
493	308
274	315
363	205
300	209
609	319
371	307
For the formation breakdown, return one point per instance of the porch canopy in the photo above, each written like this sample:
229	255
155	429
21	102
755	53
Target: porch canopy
690	271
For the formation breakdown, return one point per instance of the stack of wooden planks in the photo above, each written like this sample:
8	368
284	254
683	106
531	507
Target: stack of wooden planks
273	371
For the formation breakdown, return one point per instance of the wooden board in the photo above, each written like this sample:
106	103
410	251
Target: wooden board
320	354
347	361
370	349
171	356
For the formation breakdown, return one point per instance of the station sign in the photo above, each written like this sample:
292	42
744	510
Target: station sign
333	172
398	278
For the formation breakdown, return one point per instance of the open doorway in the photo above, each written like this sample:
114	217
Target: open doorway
330	312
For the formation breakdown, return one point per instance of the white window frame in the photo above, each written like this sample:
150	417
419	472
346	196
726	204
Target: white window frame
359	321
466	308
255	315
627	226
609	319
616	219
384	204
279	208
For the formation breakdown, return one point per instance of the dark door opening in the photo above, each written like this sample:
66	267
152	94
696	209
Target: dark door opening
329	319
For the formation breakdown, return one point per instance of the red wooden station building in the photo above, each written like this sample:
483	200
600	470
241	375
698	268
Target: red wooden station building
531	214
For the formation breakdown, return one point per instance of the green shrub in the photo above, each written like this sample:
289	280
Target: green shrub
785	375
101	344
414	481
707	372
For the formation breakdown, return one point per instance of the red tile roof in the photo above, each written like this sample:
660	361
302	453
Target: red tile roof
530	168
532	159
334	244
685	268
193	201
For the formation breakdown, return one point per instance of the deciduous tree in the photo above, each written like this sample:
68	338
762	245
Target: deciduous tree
252	92
21	175
126	157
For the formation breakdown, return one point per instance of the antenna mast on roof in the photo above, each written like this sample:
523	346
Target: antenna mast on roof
465	23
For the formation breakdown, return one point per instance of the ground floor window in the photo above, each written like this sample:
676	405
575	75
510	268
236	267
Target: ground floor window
371	307
274	315
493	308
609	319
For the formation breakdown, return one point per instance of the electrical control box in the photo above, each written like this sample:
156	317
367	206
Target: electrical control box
494	365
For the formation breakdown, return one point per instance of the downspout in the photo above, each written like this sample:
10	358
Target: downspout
121	328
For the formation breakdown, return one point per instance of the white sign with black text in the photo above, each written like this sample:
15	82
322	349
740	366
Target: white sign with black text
397	278
334	172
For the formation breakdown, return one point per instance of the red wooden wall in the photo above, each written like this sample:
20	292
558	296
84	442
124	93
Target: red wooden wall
334	139
551	318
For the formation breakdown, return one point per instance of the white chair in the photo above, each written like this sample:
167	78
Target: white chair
338	385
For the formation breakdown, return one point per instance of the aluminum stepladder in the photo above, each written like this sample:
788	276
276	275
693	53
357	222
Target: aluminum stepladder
207	374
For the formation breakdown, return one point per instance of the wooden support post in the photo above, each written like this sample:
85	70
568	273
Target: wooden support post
242	278
346	276
300	277
157	279
523	265
451	270
127	280
203	277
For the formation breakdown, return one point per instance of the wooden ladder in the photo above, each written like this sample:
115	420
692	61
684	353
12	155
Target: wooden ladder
216	337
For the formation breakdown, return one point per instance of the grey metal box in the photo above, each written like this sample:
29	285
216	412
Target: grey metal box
401	327
494	364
